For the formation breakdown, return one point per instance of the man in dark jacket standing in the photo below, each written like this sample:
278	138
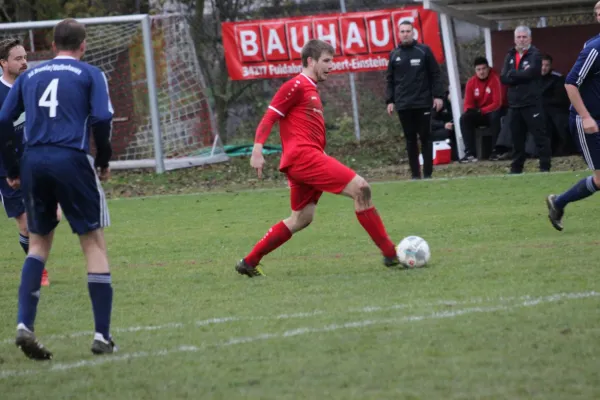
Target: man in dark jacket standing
556	107
522	74
414	84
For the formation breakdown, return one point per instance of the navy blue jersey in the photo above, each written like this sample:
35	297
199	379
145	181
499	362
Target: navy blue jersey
17	134
585	74
63	98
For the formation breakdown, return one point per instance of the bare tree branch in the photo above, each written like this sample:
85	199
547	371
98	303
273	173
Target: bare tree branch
238	93
5	14
210	51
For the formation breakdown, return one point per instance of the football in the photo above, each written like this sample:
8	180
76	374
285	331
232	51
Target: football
413	252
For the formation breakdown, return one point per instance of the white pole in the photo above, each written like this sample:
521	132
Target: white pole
352	90
487	34
31	43
453	77
152	94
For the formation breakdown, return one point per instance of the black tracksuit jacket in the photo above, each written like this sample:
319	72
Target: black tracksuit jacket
525	81
413	77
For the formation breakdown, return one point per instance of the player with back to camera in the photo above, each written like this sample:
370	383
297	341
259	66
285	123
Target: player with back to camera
583	88
298	109
65	100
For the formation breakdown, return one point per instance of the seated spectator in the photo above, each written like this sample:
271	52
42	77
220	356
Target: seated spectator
556	108
482	107
442	125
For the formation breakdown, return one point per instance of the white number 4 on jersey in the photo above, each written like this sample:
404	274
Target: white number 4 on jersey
48	98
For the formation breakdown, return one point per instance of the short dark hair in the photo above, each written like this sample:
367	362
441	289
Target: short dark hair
407	22
6	46
69	34
547	57
480	61
314	49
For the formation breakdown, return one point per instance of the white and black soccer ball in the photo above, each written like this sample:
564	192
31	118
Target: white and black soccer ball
413	252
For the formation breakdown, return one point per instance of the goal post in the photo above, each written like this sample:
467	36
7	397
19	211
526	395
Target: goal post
163	117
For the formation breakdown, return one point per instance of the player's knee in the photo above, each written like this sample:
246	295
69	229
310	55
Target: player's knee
22	225
298	222
304	220
596	178
304	223
23	229
364	190
39	248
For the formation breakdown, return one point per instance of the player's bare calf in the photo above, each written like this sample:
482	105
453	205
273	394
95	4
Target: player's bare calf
301	219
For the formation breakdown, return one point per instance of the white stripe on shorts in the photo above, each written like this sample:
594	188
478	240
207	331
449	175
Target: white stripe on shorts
104	214
584	147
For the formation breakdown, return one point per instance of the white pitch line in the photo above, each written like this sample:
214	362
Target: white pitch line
367	309
93	362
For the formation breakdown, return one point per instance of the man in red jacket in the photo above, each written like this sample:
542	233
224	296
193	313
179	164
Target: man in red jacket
483	106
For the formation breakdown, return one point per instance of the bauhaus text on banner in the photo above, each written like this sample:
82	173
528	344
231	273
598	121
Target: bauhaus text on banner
362	41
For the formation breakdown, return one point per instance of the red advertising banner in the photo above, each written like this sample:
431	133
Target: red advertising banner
362	41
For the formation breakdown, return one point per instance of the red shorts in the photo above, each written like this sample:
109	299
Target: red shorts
314	173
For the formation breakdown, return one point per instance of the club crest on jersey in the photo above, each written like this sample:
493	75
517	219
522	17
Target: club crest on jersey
415	62
488	90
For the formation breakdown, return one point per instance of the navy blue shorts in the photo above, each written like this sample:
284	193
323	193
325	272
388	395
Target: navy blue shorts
588	143
57	175
12	199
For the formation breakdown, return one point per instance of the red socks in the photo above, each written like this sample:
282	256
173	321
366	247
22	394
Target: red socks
279	234
371	221
275	237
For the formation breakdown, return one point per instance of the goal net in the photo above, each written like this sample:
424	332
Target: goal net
187	123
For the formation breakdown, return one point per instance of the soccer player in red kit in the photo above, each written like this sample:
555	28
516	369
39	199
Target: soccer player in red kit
310	172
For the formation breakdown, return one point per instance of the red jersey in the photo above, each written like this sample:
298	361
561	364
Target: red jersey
486	95
298	108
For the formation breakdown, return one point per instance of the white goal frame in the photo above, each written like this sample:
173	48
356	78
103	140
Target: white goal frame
158	163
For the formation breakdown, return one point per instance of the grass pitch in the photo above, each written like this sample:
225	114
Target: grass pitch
507	309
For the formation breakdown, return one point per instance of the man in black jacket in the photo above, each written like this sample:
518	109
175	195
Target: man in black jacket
556	107
414	84
522	74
